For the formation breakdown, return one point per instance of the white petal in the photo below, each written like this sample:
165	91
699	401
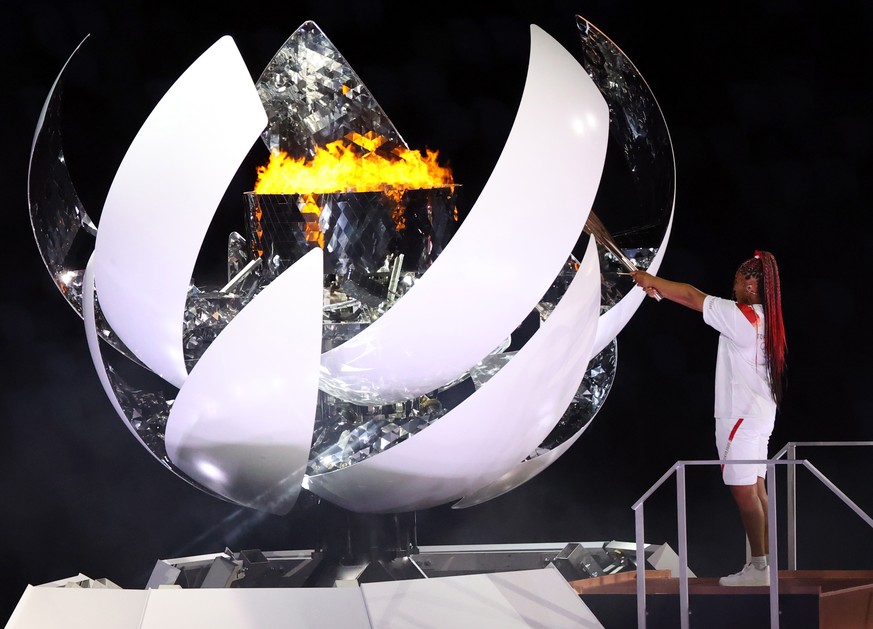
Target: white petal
242	423
162	200
506	253
91	334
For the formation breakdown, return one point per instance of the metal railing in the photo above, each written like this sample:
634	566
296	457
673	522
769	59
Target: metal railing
789	450
679	469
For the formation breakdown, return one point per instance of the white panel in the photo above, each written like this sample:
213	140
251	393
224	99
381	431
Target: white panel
256	608
78	608
242	423
162	200
492	430
523	599
519	474
501	261
463	601
545	599
613	320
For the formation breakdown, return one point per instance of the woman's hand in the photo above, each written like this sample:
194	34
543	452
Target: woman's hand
641	278
645	280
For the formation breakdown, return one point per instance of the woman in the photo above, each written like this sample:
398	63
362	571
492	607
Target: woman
749	378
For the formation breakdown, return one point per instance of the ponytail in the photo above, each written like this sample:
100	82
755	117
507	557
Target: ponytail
763	267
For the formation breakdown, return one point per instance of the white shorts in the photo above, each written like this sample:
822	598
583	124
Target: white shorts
742	440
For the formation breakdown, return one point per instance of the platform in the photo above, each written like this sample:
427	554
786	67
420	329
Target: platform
814	599
560	584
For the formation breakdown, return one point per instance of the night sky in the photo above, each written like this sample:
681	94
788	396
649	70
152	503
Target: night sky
769	109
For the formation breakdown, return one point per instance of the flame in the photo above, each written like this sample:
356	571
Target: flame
308	205
338	167
348	165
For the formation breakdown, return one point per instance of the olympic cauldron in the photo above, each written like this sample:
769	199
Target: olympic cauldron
368	347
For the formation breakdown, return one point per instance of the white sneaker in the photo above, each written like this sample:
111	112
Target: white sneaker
749	575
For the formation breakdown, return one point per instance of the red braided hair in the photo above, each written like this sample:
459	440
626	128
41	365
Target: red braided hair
763	268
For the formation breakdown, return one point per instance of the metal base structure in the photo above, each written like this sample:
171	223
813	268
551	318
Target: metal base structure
512	586
367	571
312	568
356	548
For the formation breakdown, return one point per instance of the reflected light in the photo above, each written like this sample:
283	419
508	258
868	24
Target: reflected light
212	471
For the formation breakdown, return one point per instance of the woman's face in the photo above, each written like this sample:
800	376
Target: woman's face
745	289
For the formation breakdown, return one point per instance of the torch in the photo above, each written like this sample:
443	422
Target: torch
595	228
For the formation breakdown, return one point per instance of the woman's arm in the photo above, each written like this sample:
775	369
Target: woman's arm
684	294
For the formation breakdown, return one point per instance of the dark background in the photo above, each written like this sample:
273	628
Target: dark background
769	108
